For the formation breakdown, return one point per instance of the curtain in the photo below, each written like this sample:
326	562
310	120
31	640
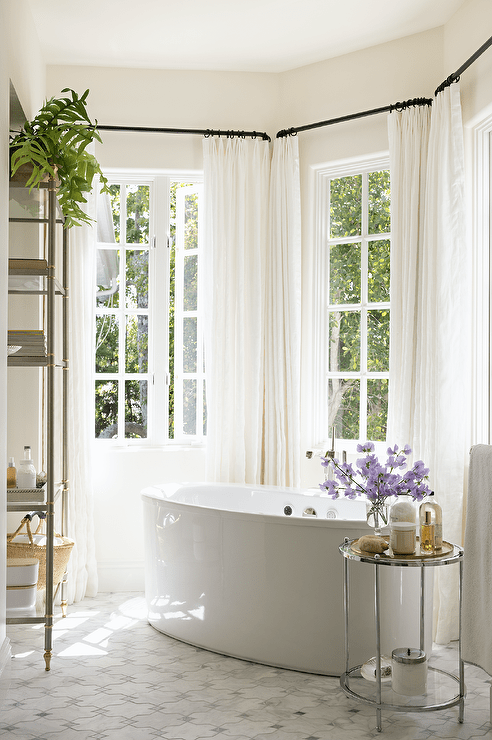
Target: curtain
282	442
430	323
252	304
82	571
236	187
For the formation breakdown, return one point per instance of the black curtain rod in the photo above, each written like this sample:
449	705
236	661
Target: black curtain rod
202	132
397	106
354	116
456	75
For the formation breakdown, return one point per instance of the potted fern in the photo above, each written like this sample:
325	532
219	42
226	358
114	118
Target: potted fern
54	144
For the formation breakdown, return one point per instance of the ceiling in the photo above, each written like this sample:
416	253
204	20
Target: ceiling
225	35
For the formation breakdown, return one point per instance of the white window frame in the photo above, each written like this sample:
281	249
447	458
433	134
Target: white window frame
321	435
479	146
158	309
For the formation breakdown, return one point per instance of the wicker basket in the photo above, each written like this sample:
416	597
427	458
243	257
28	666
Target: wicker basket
27	547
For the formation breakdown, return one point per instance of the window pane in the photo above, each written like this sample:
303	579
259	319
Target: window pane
344	344
137	344
137	214
107	278
115	199
106	343
377	409
378	283
345	273
378	332
137	278
346	206
379	202
189	344
189	406
106	393
190	282
191	221
135	409
343	407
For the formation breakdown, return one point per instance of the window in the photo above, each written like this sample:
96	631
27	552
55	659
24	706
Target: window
149	368
353	301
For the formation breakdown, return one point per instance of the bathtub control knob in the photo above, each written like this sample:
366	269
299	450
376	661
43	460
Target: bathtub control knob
287	510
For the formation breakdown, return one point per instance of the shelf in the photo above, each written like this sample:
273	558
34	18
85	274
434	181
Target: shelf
442	692
31	283
30	206
37	505
29	496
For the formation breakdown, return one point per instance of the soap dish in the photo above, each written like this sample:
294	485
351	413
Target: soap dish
368	669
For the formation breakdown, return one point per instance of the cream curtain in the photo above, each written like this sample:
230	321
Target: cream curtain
430	323
82	571
252	302
236	187
282	442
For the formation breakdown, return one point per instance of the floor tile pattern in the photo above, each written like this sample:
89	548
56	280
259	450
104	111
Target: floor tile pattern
114	676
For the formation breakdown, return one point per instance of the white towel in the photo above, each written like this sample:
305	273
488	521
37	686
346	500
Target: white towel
477	568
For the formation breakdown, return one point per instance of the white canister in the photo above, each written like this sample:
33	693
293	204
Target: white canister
403	537
409	671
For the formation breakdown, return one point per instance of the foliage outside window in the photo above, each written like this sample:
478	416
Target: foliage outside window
148	351
357	320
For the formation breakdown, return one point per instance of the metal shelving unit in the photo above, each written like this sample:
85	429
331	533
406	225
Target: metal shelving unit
40	280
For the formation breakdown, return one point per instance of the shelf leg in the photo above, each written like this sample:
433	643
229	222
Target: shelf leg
377	605
47	659
346	611
461	711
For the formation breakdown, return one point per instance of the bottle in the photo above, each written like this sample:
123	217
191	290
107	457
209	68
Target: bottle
26	475
429	504
427	533
11	474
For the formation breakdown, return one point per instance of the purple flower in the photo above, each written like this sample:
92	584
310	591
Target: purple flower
375	480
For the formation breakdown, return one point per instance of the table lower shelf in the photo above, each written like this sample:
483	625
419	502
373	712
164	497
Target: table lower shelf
441	692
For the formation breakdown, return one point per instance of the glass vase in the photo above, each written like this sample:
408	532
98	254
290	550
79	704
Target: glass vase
377	515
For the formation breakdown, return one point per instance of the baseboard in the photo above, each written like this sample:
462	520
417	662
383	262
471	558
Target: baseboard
116	576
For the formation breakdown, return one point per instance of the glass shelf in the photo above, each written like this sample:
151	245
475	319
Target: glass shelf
27	205
442	691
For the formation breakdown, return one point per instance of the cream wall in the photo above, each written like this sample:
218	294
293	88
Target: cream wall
410	67
20	61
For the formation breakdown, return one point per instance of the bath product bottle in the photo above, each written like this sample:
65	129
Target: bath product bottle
429	504
427	533
11	474
403	538
26	475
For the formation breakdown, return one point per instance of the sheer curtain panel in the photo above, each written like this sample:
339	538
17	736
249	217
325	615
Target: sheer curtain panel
236	188
82	566
430	374
282	444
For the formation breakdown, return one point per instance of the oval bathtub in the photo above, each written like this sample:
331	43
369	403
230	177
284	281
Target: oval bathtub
227	570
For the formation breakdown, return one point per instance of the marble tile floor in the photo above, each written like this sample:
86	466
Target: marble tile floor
114	676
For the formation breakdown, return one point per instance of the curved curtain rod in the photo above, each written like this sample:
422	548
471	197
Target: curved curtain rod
202	132
353	116
397	106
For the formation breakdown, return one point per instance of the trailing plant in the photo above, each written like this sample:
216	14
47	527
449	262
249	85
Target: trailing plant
55	143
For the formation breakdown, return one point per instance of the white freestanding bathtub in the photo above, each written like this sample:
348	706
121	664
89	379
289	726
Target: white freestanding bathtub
251	572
